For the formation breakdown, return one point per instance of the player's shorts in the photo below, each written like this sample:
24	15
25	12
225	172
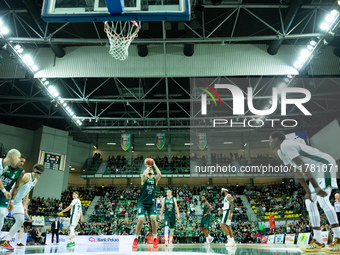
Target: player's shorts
324	174
74	221
18	208
315	197
4	202
170	221
150	208
225	218
205	222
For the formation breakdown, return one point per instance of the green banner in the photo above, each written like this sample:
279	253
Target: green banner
160	140
125	141
202	140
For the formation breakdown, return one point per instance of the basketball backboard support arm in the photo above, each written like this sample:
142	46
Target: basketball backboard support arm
98	10
115	6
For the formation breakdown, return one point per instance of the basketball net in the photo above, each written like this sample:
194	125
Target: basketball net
120	34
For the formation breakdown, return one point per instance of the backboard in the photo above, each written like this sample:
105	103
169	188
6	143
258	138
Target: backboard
115	10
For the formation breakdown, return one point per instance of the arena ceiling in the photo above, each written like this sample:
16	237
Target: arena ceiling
152	93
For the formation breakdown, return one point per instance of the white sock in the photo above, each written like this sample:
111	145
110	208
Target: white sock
155	236
166	233
336	232
317	235
232	239
170	239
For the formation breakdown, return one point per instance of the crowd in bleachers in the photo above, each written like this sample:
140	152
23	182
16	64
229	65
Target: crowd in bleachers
285	200
117	209
273	199
176	165
121	202
50	207
97	157
223	159
119	165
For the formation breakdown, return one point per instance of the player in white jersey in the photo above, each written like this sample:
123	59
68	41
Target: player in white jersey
228	206
25	185
320	169
76	213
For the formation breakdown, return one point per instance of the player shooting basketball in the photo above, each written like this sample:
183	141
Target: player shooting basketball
146	202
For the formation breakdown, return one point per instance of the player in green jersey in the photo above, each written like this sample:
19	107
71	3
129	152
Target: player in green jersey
169	204
206	223
146	202
10	171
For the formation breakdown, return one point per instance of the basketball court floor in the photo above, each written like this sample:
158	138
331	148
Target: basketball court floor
177	249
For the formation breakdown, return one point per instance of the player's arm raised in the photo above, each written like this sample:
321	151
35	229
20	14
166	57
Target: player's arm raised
144	175
162	210
176	207
159	174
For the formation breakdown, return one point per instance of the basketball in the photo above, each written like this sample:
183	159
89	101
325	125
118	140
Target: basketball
148	162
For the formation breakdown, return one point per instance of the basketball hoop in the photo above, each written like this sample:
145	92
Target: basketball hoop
120	34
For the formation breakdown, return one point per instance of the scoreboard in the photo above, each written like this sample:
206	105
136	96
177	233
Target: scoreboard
52	160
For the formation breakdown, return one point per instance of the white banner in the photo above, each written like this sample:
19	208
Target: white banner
122	247
303	238
290	238
14	239
38	221
324	236
271	239
114	239
279	239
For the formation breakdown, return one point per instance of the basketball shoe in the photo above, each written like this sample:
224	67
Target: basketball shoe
313	246
6	245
